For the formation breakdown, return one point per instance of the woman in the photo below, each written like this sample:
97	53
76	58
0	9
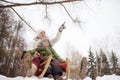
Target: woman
42	35
55	67
44	47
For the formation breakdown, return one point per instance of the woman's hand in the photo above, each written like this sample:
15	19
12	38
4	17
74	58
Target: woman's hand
62	27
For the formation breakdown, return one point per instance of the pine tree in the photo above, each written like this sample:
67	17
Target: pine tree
114	61
98	63
92	63
91	58
104	64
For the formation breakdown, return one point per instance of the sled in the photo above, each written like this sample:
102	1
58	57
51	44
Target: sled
67	69
46	64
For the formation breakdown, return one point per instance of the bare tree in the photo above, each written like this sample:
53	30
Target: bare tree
98	64
105	63
11	42
74	63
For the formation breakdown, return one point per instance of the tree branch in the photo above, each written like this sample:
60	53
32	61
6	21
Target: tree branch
46	11
8	2
35	3
22	19
68	13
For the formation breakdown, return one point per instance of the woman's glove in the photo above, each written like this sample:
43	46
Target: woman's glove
62	27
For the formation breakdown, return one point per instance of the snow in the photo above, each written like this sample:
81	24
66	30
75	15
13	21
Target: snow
106	77
22	78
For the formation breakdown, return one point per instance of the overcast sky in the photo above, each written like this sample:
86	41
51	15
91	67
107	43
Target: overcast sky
99	25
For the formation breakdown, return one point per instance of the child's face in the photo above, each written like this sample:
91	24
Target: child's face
45	43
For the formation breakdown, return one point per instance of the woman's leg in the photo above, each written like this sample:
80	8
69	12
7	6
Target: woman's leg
48	72
56	69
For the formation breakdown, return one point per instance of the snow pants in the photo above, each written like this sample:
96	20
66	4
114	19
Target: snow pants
54	68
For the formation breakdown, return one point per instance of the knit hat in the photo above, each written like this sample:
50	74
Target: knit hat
38	32
45	39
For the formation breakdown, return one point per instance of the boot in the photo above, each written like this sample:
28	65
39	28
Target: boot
50	76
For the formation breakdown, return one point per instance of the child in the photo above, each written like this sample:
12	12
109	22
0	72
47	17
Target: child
54	68
56	61
46	49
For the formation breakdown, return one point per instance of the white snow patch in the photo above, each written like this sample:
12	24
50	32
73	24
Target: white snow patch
106	77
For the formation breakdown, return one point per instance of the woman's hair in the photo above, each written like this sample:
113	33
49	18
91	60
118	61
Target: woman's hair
36	38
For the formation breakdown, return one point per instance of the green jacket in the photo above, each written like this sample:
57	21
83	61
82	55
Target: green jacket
47	51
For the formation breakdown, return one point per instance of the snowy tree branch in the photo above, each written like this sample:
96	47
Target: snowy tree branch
68	13
8	2
34	3
46	10
22	19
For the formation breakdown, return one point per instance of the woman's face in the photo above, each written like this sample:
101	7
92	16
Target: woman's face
42	34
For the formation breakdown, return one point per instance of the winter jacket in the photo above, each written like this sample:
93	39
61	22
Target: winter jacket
46	51
52	42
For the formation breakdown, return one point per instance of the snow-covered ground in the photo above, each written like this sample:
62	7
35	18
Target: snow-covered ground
23	78
106	77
